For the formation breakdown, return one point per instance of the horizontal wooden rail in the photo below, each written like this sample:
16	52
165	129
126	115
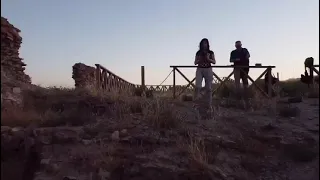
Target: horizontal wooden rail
229	66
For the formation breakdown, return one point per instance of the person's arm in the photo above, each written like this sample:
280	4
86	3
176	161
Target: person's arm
232	57
211	58
196	59
247	54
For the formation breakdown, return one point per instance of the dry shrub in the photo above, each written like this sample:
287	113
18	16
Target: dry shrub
57	106
293	88
160	114
254	101
186	97
288	88
135	105
61	106
198	154
149	93
138	91
227	91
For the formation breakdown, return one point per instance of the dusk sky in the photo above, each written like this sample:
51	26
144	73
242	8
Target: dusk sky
123	35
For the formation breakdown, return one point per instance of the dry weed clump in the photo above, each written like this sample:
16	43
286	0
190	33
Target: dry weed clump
196	149
250	99
198	153
160	113
186	97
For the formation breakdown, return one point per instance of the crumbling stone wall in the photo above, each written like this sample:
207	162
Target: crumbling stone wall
84	76
12	66
13	77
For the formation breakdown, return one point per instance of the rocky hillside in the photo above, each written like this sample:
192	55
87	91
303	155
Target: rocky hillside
76	135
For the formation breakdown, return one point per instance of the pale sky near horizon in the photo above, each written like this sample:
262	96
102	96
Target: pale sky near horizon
122	35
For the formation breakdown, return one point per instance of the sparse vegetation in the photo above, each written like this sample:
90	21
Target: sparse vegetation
146	125
198	153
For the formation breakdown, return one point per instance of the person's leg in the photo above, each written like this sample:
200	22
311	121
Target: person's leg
208	77
237	77
245	93
199	77
244	77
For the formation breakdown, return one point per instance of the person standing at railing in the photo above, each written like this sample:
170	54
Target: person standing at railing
240	57
204	58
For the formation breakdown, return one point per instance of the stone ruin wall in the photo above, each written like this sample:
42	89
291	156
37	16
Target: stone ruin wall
13	77
12	66
84	76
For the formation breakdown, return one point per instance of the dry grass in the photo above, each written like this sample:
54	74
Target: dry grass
63	106
294	87
51	107
160	114
198	153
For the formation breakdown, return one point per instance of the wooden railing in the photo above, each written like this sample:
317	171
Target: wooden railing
107	80
158	88
165	88
313	68
268	70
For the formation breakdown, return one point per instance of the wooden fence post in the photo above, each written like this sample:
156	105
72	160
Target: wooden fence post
98	76
174	82
143	82
269	82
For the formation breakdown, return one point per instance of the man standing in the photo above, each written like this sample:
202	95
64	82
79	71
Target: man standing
240	57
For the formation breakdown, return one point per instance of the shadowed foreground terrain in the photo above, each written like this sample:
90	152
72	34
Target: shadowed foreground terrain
86	135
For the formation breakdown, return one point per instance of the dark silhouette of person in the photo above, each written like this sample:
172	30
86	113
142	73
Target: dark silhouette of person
204	58
240	57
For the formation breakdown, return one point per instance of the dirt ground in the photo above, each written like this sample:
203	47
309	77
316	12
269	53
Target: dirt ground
236	144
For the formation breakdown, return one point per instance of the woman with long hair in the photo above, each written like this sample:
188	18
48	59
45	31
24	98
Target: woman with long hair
204	58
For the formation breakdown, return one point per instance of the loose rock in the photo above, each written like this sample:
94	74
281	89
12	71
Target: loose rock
124	131
115	136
